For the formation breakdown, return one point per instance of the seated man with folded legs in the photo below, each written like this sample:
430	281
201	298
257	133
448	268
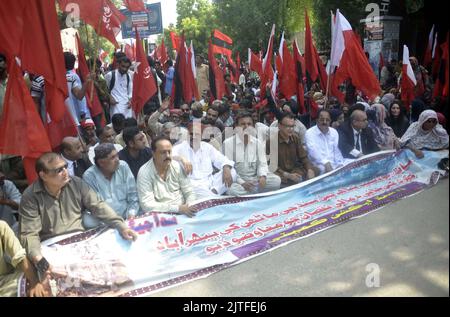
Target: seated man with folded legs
250	159
203	157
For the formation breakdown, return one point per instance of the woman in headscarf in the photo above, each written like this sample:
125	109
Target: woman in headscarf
425	134
397	119
387	100
383	134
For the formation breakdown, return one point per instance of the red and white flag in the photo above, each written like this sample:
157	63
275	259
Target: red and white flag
430	47
351	62
408	81
288	76
267	70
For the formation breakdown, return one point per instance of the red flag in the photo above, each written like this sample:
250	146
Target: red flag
191	74
184	88
441	85
408	80
175	40
91	93
216	80
254	62
288	76
381	61
102	15
135	5
310	56
238	63
267	70
40	51
144	86
300	70
162	55
427	59
352	63
21	130
221	43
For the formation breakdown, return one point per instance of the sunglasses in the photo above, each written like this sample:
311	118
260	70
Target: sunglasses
58	170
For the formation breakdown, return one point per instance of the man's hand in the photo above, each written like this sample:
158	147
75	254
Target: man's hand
419	154
187	210
164	105
295	177
128	234
248	186
226	176
310	174
328	167
38	290
112	101
187	166
262	182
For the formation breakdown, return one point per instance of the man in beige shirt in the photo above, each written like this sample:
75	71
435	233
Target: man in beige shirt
249	155
54	204
202	71
162	183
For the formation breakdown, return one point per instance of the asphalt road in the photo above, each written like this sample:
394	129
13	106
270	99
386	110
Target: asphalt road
405	242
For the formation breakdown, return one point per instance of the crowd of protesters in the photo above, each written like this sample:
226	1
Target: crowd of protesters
122	165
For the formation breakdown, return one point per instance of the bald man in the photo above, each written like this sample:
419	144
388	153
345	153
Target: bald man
355	138
72	153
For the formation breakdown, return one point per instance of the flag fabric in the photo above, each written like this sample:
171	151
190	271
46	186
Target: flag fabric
162	55
102	55
288	77
144	86
437	56
191	74
267	70
21	130
300	70
175	40
314	67
441	85
135	5
40	51
92	99
221	43
184	89
408	80
254	62
216	80
238	64
427	59
351	60
102	15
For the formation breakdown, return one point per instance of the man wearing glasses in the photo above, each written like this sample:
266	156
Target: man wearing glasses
293	163
54	204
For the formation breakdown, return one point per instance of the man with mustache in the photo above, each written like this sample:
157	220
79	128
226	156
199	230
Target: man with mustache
162	183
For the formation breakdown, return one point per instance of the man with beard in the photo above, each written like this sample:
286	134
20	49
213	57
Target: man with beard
162	183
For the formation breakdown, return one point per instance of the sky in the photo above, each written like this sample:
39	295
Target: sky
169	11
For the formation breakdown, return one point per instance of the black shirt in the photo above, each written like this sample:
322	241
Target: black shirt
135	163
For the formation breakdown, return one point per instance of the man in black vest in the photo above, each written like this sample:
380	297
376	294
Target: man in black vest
72	153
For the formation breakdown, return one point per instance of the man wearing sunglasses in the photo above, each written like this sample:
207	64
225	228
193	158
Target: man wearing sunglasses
54	204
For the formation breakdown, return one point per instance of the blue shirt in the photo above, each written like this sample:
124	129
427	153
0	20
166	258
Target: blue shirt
169	80
120	193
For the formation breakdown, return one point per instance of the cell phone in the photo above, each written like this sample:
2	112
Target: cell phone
42	267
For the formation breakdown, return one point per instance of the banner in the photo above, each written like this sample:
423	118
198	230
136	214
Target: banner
147	23
173	249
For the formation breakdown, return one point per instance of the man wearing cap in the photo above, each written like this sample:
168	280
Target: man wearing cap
54	204
174	117
88	132
72	153
113	181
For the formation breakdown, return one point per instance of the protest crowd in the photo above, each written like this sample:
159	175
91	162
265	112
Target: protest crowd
106	143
